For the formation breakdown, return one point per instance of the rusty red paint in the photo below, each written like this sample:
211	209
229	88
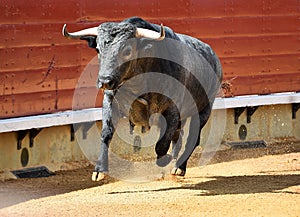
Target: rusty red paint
258	43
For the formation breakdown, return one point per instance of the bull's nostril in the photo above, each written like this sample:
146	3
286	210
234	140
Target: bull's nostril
99	85
106	83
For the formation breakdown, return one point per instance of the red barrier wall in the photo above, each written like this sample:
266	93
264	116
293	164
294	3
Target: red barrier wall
257	41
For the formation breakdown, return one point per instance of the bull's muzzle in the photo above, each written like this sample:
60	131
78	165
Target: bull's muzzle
107	84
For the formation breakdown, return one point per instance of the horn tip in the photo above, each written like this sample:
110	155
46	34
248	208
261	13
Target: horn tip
64	30
162	32
162	26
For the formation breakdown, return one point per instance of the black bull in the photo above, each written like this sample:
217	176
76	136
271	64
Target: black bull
144	72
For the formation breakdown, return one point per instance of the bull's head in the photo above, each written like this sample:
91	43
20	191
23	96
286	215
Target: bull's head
111	41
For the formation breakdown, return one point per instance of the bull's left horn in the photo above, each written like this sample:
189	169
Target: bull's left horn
77	35
147	33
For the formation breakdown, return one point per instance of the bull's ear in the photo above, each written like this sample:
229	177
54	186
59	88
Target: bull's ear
91	40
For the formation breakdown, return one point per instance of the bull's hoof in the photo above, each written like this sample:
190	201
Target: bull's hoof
164	160
98	176
177	172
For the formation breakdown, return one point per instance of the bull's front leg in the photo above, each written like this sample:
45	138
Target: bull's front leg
101	168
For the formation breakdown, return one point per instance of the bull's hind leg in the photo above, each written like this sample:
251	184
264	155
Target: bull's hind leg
163	145
176	143
193	140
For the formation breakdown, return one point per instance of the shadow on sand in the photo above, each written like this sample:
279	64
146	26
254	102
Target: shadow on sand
223	185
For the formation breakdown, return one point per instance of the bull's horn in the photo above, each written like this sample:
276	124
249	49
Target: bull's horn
77	35
146	33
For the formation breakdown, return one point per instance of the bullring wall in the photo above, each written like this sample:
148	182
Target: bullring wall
257	42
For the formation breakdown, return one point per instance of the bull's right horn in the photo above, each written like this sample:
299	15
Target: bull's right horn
77	35
147	33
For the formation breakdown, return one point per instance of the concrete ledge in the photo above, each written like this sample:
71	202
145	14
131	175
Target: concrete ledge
256	100
95	114
50	120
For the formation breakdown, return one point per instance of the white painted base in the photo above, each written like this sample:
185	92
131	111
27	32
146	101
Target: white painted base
95	114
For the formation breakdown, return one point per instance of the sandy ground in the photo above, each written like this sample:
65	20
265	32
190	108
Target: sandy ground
262	186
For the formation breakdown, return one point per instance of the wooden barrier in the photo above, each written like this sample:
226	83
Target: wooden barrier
257	42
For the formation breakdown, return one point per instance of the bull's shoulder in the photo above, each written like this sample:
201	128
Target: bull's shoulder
197	44
204	50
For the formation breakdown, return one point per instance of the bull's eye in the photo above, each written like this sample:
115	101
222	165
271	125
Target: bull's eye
126	52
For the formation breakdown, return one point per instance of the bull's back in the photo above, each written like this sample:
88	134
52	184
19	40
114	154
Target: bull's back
205	51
